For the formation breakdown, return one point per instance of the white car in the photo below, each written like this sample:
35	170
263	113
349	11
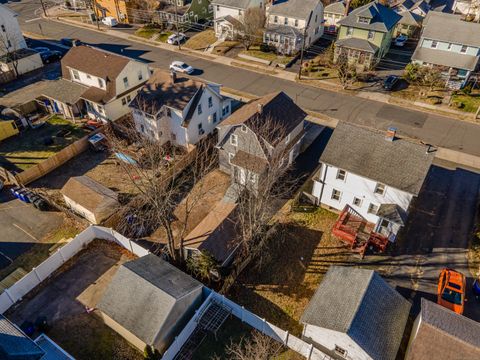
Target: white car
176	39
400	41
180	66
109	21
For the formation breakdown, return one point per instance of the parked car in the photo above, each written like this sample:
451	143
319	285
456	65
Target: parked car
390	82
400	40
451	290
177	39
180	66
70	42
41	49
51	56
109	21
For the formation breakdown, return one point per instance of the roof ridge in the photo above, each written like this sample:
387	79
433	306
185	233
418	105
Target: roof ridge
372	272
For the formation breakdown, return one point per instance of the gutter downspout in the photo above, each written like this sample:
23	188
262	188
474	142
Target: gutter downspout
323	185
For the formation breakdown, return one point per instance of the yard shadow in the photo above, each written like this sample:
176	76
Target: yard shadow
124	50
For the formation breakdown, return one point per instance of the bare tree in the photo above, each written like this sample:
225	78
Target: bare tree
346	72
255	347
251	25
10	50
431	77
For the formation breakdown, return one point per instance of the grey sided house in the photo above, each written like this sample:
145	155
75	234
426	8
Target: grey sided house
356	315
258	134
439	333
149	302
89	198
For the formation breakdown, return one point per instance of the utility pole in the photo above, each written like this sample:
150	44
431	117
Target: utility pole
95	10
303	45
176	26
44	9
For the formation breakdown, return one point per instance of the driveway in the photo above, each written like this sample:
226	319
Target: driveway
22	226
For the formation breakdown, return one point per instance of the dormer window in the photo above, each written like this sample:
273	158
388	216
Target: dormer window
75	74
363	20
349	31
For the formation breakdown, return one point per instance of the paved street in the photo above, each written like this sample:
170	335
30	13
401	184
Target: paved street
431	128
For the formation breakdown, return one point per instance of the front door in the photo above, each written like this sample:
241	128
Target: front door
243	176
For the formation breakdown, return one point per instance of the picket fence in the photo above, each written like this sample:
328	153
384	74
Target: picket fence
38	274
274	332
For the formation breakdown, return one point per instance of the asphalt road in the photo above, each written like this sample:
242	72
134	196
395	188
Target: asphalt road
428	127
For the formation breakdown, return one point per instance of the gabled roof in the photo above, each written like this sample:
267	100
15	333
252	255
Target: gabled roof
284	30
445	58
359	303
336	8
299	9
277	108
393	213
443	334
383	18
14	344
358	44
410	18
238	4
466	33
65	91
5	10
90	194
365	152
144	293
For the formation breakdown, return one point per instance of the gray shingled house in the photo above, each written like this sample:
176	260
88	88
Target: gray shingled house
252	137
355	314
439	333
149	302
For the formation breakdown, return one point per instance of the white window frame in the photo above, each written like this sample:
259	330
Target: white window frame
372	207
380	189
355	200
334	194
341	175
76	74
234	140
434	44
244	128
230	157
463	47
340	351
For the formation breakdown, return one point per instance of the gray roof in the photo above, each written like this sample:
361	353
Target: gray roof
299	9
393	213
284	30
359	303
238	4
443	334
445	58
383	18
64	91
143	294
358	44
365	152
465	33
14	344
335	8
409	18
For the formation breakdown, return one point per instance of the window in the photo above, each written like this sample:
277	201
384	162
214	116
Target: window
210	102
296	22
218	7
225	110
168	112
199	109
76	75
240	12
173	136
371	34
142	128
357	201
372	208
214	117
230	157
100	109
125	81
449	47
336	195
244	128
341	174
285	21
200	129
200	126
100	83
317	29
349	31
140	75
275	19
340	351
434	44
316	18
124	101
3	28
380	189
253	177
363	20
463	50
234	140
88	76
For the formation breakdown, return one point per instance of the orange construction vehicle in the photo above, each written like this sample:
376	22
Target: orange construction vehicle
451	290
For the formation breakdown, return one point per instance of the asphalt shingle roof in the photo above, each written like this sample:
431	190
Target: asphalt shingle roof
443	334
144	293
299	9
445	58
336	8
358	44
238	4
383	18
14	344
359	303
365	152
65	91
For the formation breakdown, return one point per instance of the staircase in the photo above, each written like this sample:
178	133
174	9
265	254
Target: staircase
232	193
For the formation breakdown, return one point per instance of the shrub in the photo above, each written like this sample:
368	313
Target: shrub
150	353
457	104
467	89
264	47
434	100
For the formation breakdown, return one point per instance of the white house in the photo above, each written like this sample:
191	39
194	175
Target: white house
227	15
289	21
375	174
104	83
332	14
355	315
178	109
14	54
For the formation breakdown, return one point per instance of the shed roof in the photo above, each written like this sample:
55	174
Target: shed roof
89	194
143	294
359	303
299	9
365	152
465	33
443	334
14	344
64	91
382	18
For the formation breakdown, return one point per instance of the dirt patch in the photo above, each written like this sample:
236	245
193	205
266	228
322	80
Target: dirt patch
280	288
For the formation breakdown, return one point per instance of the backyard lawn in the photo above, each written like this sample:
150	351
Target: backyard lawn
31	147
201	40
280	288
147	32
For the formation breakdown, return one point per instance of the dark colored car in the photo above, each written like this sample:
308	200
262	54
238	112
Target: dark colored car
70	42
50	56
390	82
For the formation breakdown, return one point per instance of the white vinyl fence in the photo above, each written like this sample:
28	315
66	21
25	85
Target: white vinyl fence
23	286
274	332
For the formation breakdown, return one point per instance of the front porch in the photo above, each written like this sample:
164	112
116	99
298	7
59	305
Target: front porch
285	39
359	52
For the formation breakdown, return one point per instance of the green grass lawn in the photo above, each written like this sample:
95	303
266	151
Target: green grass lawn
147	32
224	47
269	56
163	37
470	102
201	40
28	147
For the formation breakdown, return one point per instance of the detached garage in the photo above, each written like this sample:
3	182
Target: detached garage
90	199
